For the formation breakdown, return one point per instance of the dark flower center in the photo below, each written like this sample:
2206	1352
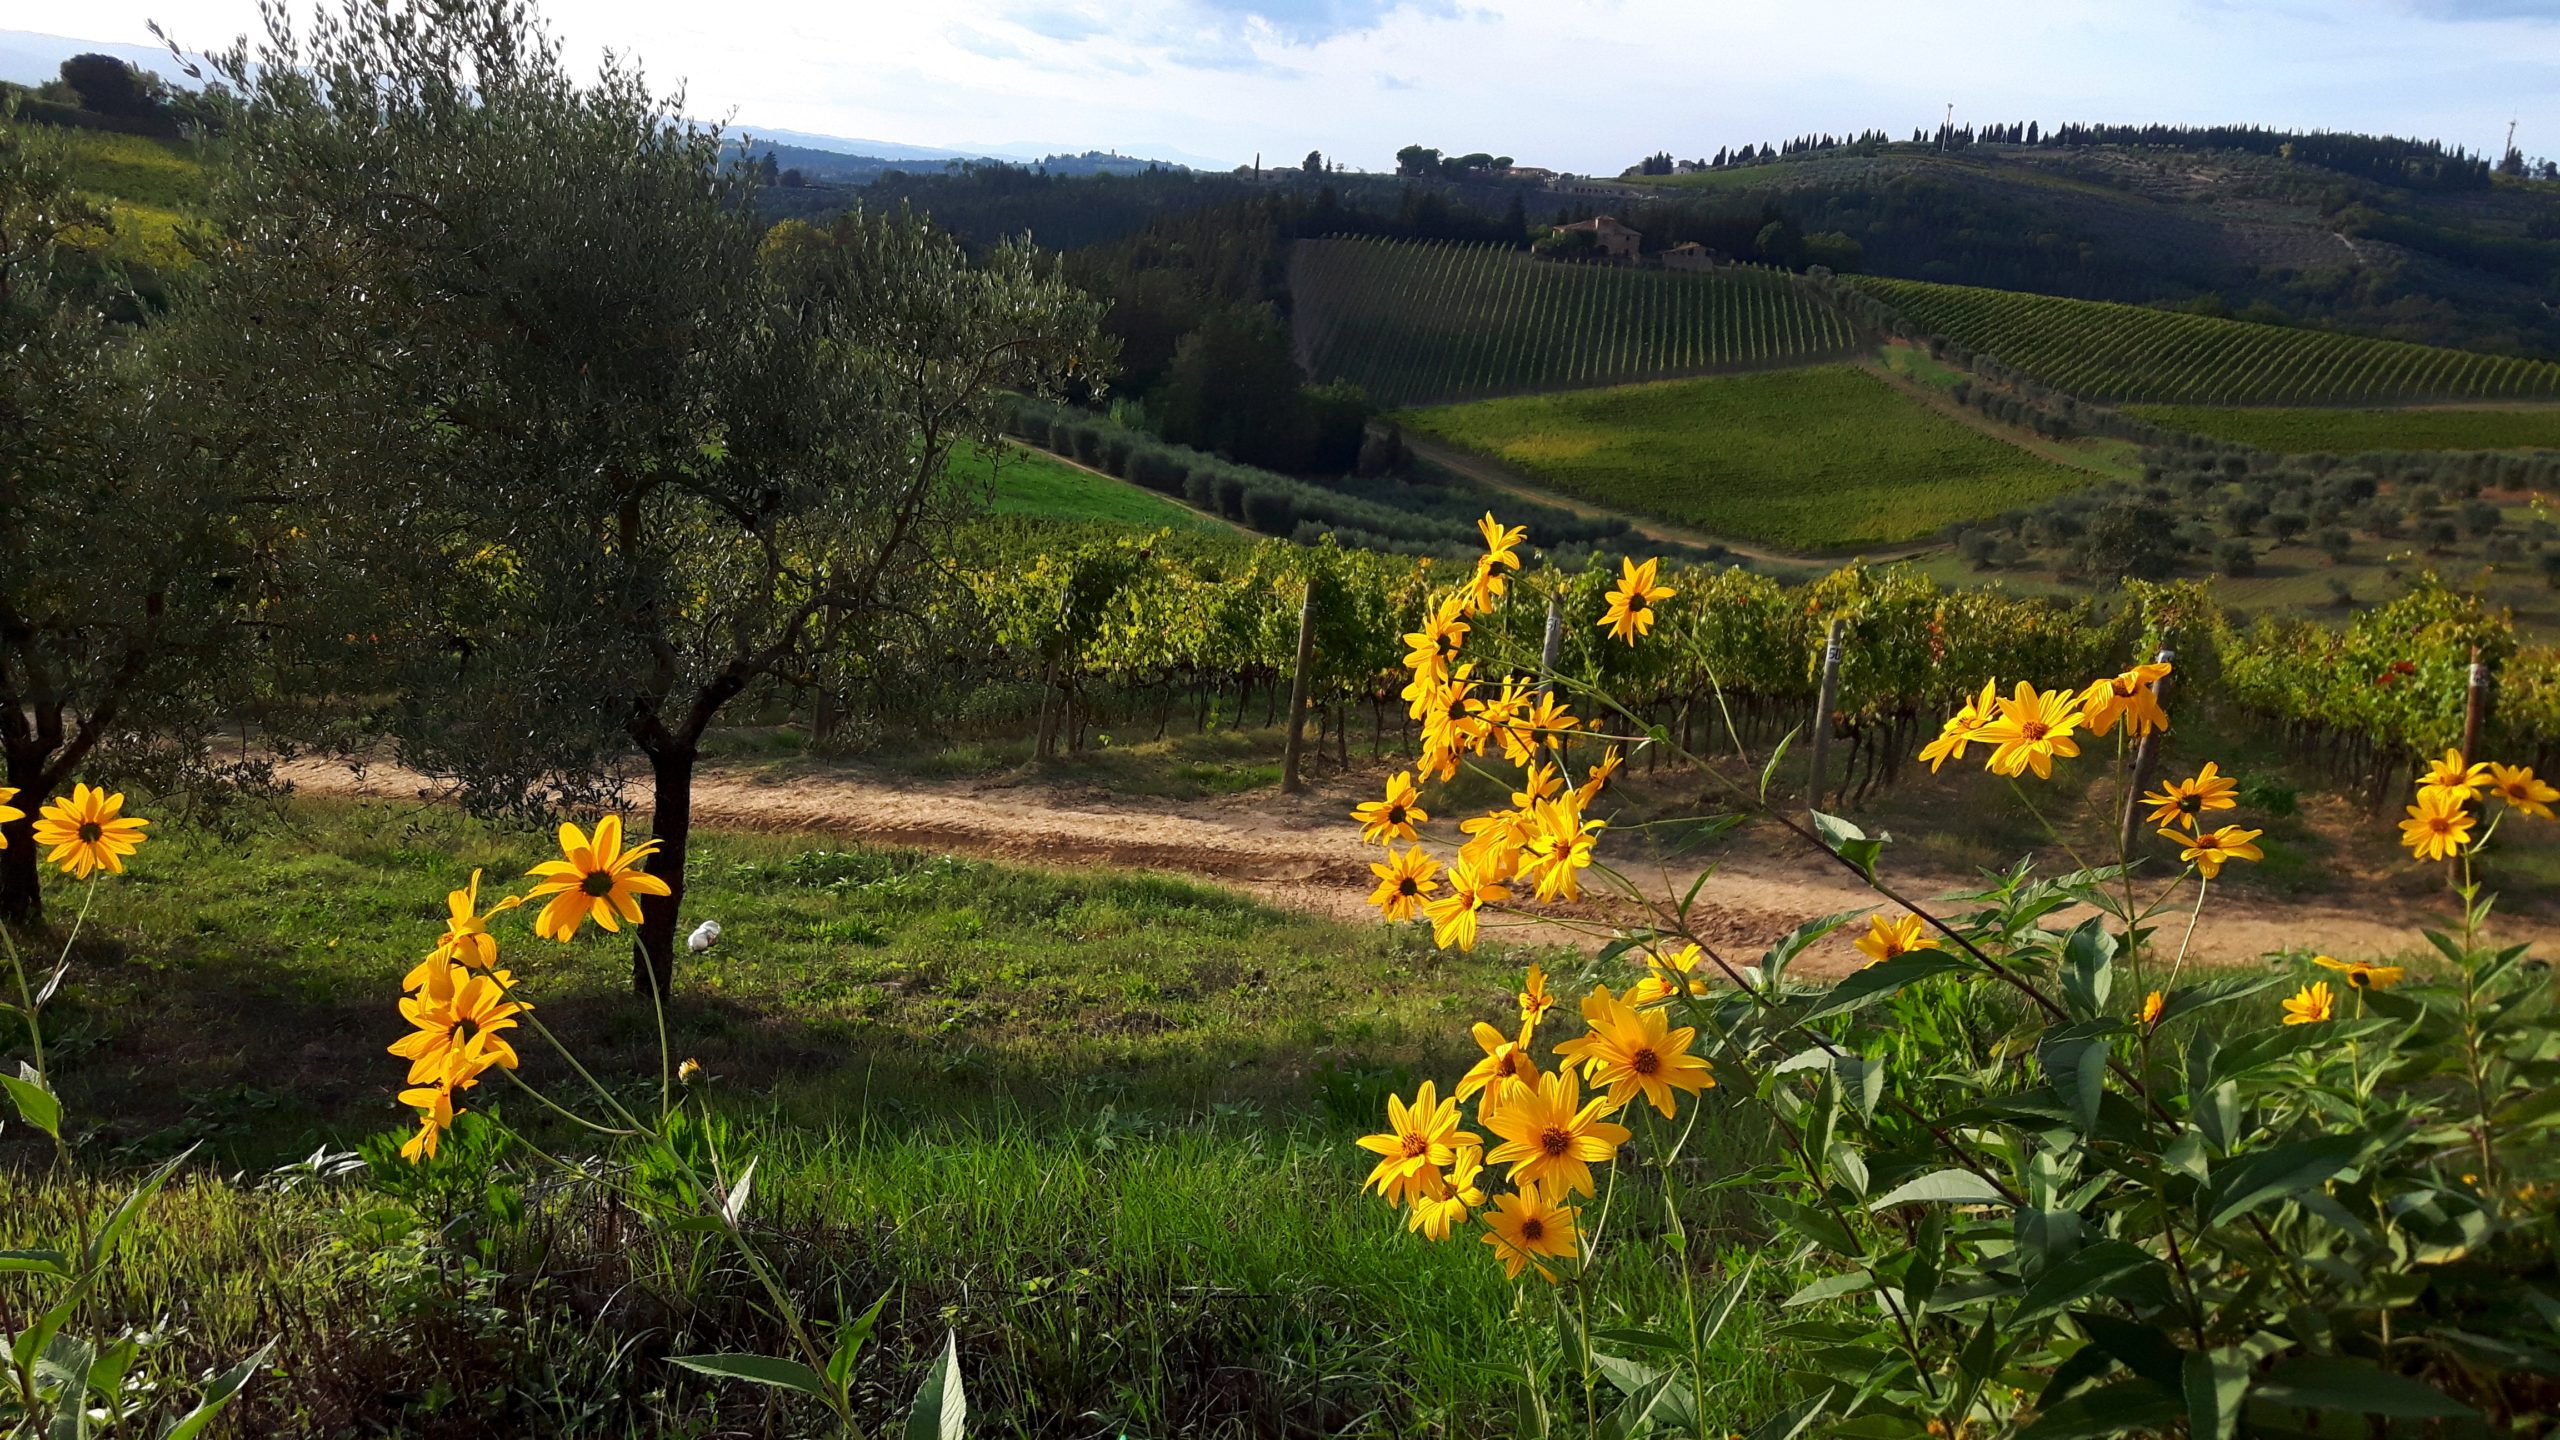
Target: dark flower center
1554	1142
598	883
1416	1145
464	1030
90	830
1395	814
1645	1062
1533	1230
2034	729
1405	886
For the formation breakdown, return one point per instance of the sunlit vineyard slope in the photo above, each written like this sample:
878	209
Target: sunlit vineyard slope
1419	323
2109	352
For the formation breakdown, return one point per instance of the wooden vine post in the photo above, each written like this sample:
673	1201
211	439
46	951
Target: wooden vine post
2146	759
1824	700
2475	715
1550	654
1290	783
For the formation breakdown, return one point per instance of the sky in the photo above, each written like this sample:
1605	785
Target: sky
1587	86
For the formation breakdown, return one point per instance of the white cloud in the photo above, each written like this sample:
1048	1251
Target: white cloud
1575	84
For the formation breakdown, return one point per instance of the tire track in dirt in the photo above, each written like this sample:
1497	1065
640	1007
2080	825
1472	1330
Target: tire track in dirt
1301	853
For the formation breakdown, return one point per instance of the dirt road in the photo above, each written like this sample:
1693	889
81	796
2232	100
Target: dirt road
1302	853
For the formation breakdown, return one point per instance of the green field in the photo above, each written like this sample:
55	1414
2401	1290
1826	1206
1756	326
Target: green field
1100	1123
1428	323
2318	430
1809	459
2128	353
149	185
1042	487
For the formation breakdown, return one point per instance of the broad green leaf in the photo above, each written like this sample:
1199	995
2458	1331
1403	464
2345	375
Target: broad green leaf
1867	986
1946	1187
771	1370
2242	1185
1774	962
225	1388
1829	1287
2215	1385
2322	1382
2187	1000
2078	1278
1849	842
2121	1408
941	1410
2088	967
41	1262
1814	1225
36	1104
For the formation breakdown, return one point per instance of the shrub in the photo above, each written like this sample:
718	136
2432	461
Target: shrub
2236	557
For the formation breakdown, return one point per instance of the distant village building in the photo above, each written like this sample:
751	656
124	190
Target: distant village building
1532	173
1585	185
1608	236
1689	255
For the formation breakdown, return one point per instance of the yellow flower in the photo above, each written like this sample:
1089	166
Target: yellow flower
2438	826
2152	1005
1600	775
2208	849
1405	883
2360	975
1453	723
2180	802
593	879
1635	1052
434	1104
1419	1139
89	832
2514	784
2451	776
8	812
1504	1059
1430	649
1385	821
1559	849
1495	840
1450	1197
1535	1002
1550	1136
2311	1004
1963	728
1453	916
2033	729
1631	601
455	1038
1885	940
466	940
1501	543
1538	781
2127	696
1668	975
1522	1227
688	1072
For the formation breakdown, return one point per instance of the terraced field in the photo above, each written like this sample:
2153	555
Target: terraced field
2125	353
2305	430
1424	323
1815	458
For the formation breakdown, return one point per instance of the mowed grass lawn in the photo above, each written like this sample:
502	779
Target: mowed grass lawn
1042	487
2306	429
1823	458
1098	1123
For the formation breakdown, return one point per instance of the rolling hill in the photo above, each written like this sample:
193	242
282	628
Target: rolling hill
2117	353
1416	323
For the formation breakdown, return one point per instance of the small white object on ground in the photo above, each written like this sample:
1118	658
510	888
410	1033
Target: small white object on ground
704	936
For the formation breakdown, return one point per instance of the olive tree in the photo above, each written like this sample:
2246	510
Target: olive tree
139	578
646	463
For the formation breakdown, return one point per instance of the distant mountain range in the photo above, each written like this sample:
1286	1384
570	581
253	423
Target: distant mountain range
30	58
